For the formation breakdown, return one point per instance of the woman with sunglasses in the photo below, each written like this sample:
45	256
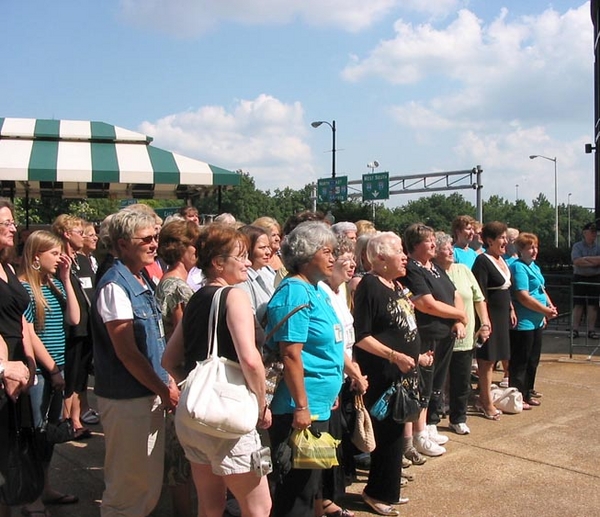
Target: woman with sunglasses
132	388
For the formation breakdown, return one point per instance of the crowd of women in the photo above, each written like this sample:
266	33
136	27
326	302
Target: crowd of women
347	310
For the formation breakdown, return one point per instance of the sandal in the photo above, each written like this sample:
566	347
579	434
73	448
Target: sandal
83	433
490	416
340	512
593	335
378	506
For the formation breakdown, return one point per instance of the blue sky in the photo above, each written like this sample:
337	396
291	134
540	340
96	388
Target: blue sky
418	86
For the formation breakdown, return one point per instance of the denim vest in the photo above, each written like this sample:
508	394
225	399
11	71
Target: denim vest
112	379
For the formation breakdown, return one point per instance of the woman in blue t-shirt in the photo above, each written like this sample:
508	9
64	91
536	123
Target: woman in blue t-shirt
52	304
310	344
533	307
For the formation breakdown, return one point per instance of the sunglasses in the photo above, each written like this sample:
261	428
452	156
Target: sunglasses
148	239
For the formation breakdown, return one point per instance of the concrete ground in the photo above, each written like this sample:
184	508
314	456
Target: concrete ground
542	462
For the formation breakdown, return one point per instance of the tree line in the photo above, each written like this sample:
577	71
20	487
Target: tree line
247	203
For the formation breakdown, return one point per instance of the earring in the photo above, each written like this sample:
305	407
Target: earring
385	267
36	264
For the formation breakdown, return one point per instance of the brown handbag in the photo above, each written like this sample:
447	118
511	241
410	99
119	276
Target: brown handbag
363	436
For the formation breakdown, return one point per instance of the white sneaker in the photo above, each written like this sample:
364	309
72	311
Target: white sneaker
438	438
427	446
461	428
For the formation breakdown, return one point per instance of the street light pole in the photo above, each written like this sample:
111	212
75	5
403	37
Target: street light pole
531	157
569	219
317	123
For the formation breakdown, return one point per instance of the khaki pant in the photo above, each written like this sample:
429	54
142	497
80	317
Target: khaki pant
133	465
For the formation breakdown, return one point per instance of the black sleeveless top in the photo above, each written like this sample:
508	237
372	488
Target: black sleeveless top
14	299
195	328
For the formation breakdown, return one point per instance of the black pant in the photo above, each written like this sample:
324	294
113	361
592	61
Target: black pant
460	385
295	496
436	377
525	351
386	461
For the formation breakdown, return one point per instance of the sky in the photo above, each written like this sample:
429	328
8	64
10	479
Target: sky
418	86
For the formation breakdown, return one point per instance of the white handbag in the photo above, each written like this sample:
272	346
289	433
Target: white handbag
507	400
215	395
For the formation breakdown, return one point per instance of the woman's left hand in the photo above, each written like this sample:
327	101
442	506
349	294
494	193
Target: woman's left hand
426	359
265	420
459	330
64	267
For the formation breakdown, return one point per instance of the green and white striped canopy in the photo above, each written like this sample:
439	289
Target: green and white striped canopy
79	159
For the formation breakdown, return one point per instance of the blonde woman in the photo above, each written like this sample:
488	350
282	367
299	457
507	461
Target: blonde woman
52	304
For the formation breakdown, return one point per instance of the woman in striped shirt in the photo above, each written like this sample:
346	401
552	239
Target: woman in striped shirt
52	303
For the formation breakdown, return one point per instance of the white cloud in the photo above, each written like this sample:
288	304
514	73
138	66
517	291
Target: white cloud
263	136
531	68
435	9
186	18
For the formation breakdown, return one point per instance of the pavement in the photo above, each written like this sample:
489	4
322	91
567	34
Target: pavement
541	462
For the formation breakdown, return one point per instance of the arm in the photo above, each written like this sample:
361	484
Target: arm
429	305
404	362
525	299
16	375
459	327
123	341
352	370
293	374
240	321
43	358
485	328
174	357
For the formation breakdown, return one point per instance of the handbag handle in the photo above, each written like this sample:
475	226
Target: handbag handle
213	320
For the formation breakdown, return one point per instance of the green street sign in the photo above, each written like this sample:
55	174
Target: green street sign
332	189
163	213
376	186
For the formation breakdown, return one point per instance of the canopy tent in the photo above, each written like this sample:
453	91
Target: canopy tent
87	159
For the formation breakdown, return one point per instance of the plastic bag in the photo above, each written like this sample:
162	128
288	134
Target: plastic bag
313	449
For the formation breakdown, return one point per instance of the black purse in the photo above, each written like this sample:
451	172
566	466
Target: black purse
53	433
21	468
406	403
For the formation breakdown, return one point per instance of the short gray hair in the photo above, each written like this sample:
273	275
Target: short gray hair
301	245
125	223
343	227
441	239
380	244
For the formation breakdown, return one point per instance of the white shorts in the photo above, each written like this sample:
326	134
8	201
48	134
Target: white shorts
225	455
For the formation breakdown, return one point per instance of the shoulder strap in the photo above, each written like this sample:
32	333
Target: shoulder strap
213	322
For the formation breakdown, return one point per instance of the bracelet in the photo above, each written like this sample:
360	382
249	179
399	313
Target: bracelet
391	356
265	411
301	408
485	326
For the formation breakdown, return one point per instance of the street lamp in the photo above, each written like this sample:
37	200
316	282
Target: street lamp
517	192
531	157
569	219
317	123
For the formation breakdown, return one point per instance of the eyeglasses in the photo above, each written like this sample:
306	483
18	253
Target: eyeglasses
91	236
148	239
8	224
238	258
78	232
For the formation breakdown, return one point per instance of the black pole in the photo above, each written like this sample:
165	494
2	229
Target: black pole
333	151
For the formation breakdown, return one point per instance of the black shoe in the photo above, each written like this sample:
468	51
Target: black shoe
593	335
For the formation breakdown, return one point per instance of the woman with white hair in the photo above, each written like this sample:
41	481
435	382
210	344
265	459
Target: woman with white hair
310	345
387	350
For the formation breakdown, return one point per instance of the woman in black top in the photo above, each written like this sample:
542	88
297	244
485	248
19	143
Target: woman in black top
387	346
17	365
219	463
441	319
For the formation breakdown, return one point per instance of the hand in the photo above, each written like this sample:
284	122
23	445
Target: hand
484	332
404	362
426	359
551	312
170	398
301	419
16	378
459	330
64	267
513	318
336	404
265	420
360	385
57	381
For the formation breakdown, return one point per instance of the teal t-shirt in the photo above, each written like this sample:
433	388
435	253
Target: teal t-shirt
466	257
319	330
528	277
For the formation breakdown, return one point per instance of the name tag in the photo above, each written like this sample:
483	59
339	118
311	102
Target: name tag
86	282
412	324
339	333
161	328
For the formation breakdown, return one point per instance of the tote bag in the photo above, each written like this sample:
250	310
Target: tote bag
215	396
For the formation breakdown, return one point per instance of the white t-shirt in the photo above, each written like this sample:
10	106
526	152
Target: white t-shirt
114	304
338	301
